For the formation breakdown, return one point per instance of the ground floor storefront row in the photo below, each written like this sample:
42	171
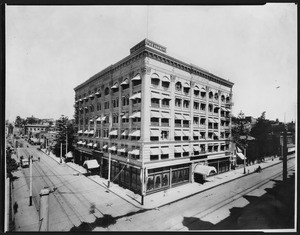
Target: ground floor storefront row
155	179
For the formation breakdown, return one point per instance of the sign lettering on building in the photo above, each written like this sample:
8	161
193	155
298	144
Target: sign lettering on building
148	43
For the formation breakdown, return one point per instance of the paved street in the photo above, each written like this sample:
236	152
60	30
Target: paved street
73	194
211	206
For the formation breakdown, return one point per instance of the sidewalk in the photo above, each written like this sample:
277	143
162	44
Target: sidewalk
159	199
26	217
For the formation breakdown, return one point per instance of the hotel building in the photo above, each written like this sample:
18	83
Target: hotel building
155	120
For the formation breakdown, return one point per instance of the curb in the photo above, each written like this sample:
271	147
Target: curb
168	203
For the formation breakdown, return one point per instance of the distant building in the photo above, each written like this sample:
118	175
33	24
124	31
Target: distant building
156	117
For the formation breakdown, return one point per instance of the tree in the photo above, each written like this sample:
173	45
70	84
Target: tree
261	132
11	164
18	121
65	131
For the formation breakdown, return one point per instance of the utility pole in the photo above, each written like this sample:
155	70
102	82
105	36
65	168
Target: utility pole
66	141
109	160
44	209
284	158
60	152
30	183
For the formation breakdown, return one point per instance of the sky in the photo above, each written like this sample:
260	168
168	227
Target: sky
52	49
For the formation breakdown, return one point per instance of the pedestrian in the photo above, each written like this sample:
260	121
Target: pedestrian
16	207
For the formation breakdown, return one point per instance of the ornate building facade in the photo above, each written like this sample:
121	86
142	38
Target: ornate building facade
153	118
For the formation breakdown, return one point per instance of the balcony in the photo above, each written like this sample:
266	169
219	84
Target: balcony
165	124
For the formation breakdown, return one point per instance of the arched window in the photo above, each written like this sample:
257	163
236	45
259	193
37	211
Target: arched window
222	98
106	91
165	82
227	99
178	86
210	95
155	80
216	96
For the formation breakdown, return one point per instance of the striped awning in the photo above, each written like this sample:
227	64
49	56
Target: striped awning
124	133
178	116
154	133
135	133
135	115
178	149
113	132
126	115
155	95
165	115
135	96
155	114
137	77
155	151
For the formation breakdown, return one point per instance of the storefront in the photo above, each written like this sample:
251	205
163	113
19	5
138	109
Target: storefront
166	177
221	164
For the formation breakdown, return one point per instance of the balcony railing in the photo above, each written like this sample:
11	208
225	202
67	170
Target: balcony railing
165	124
154	105
177	124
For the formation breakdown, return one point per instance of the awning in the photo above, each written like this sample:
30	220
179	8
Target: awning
86	107
205	170
165	151
79	142
155	114
90	144
155	151
69	155
91	96
79	132
105	146
186	148
91	120
186	85
165	115
95	145
135	114
91	132
186	133
126	115
113	148
113	132
83	143
98	119
185	117
124	133
216	120
137	77
203	89
115	86
103	118
165	79
178	116
125	82
135	152
155	95
178	133
154	133
86	132
241	156
178	149
135	96
122	150
197	148
196	88
238	149
223	109
135	133
163	96
216	134
97	93
196	133
91	164
211	120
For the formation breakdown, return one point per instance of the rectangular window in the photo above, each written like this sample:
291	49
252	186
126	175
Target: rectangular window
105	133
106	105
196	105
178	102
186	104
164	135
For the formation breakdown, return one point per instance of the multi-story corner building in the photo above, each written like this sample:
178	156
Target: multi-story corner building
156	118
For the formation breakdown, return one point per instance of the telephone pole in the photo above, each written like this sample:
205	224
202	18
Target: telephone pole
44	209
30	183
284	157
109	160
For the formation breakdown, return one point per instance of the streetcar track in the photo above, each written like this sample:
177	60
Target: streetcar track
59	200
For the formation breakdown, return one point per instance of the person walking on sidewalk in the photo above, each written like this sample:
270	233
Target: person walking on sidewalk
16	206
